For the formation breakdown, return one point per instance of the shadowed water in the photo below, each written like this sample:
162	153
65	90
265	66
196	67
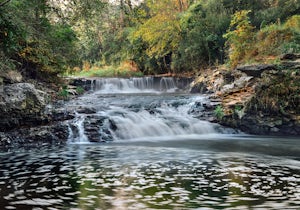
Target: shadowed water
166	174
160	157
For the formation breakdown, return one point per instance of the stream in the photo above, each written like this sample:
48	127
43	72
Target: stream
140	144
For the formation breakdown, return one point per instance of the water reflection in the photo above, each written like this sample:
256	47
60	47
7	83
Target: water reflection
139	176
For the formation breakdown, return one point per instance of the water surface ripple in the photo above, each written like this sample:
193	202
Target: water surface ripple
157	155
149	175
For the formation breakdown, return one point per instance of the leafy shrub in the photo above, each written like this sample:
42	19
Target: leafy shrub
79	90
63	93
279	95
239	37
219	112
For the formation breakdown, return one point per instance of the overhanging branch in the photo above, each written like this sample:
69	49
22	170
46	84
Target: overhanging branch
3	3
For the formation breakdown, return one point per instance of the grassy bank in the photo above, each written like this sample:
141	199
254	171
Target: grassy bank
108	71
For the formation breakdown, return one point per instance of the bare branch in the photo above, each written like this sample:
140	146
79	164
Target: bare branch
3	3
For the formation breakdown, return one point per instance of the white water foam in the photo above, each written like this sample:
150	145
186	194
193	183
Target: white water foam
80	137
133	85
119	116
163	121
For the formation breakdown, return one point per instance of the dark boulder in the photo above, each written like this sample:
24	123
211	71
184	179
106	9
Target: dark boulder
199	88
256	70
290	56
50	134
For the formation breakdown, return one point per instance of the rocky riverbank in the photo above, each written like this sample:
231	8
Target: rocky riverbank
257	99
26	115
32	113
27	112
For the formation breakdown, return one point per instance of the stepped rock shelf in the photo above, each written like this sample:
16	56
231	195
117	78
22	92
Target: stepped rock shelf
151	144
258	99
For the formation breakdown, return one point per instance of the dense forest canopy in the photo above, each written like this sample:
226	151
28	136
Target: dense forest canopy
44	38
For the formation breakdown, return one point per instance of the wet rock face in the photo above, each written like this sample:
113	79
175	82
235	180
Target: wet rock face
98	128
263	125
21	104
290	56
199	88
56	133
95	127
80	82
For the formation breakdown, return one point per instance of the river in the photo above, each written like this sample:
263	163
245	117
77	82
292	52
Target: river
135	144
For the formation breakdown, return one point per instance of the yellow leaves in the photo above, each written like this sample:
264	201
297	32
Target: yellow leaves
293	22
161	35
38	55
86	66
239	36
162	31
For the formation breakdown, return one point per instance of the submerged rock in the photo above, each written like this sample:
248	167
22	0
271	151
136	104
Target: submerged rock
54	134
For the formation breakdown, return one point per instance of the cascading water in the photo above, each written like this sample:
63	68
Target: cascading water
135	108
143	83
162	157
134	85
78	125
167	83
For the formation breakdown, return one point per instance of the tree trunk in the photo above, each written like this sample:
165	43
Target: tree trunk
122	13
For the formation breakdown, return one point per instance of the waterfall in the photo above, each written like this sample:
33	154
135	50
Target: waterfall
134	85
165	122
143	83
138	116
77	130
167	83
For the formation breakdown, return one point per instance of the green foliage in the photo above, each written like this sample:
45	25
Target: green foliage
270	39
63	93
292	45
62	39
42	48
109	71
239	37
6	63
162	36
202	43
237	108
80	90
274	40
281	94
11	32
219	112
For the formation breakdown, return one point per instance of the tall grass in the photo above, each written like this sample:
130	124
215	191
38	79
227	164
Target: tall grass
123	70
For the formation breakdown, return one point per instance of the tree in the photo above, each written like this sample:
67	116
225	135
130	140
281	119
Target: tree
161	32
202	43
239	36
40	48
